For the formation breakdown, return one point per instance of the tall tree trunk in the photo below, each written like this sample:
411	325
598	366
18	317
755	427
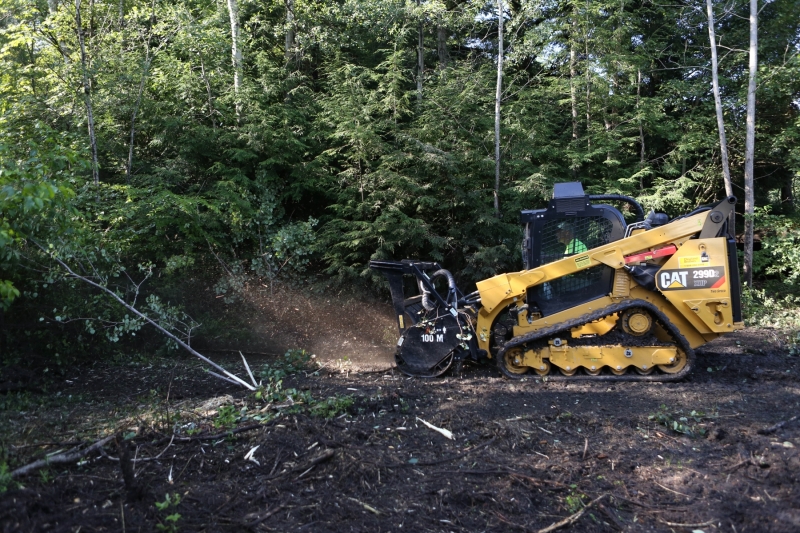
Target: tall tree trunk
211	110
588	84
749	146
236	53
420	55
497	99
787	194
573	91
573	94
145	71
441	44
641	129
723	143
290	35
87	94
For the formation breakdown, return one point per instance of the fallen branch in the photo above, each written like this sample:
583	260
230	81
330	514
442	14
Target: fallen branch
324	456
776	427
672	491
215	436
247	367
572	518
305	467
365	506
508	522
747	462
610	515
253	519
149	320
445	432
61	458
676	524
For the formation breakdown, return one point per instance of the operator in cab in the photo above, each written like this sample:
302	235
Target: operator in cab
566	236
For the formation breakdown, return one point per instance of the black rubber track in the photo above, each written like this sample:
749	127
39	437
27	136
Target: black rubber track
545	333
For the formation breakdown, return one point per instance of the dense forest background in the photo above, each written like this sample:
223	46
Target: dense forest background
152	147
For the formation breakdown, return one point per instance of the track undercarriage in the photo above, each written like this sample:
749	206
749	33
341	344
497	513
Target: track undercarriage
650	349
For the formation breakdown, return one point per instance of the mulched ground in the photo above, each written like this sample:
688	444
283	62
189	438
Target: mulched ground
525	455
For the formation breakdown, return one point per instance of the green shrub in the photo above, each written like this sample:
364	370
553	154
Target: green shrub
780	247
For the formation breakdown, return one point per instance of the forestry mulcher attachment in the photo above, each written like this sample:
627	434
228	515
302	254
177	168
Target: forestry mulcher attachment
598	299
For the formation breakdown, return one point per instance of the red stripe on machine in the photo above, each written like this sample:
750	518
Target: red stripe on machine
653	254
720	282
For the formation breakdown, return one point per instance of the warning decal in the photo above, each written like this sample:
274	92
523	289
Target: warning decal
582	261
691	278
690	261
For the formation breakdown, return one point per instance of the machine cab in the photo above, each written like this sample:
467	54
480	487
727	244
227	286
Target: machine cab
570	225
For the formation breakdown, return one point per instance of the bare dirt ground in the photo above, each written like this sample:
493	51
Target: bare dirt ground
356	456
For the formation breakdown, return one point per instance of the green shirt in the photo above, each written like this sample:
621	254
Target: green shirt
575	247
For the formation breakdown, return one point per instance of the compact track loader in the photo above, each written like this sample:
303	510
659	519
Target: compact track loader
598	298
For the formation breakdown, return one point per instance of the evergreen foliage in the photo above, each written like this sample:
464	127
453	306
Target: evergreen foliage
336	159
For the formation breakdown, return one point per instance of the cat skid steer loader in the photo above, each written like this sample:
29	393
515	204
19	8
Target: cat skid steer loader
597	299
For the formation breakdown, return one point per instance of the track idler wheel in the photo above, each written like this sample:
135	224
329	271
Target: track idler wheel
636	322
510	364
677	366
544	369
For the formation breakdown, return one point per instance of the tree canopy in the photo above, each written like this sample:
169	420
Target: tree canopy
356	129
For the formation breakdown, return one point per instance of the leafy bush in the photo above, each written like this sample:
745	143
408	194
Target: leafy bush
780	247
762	310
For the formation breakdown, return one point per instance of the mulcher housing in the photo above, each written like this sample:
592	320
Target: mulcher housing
598	299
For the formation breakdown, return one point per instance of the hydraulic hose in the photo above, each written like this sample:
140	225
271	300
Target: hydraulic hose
637	207
427	302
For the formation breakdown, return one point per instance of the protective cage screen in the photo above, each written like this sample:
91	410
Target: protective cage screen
565	237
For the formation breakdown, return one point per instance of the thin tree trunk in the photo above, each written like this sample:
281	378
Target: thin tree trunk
87	95
497	99
441	44
290	35
588	85
211	110
33	67
573	91
420	55
641	129
145	71
749	149
572	75
787	194
723	143
147	319
236	54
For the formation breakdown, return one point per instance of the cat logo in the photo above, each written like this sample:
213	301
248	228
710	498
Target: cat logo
673	279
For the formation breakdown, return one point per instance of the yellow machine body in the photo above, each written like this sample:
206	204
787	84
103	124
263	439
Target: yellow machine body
620	302
693	293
